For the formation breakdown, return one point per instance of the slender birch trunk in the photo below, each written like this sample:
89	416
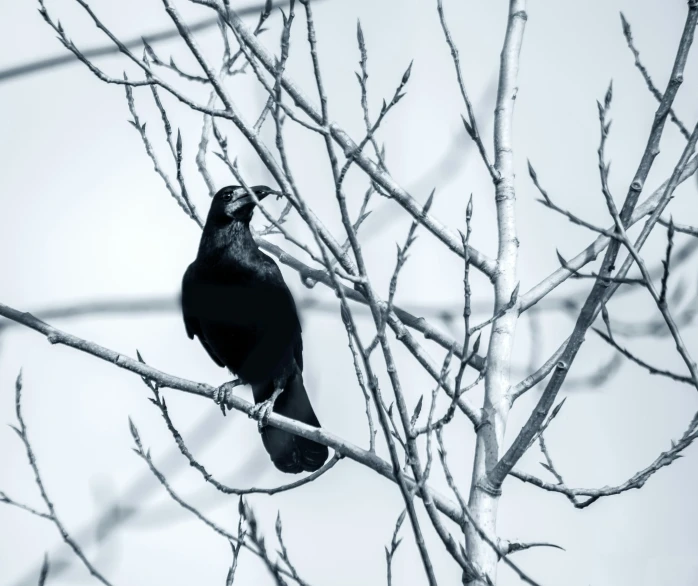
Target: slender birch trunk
484	499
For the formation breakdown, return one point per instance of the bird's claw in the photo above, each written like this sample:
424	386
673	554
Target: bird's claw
261	413
221	396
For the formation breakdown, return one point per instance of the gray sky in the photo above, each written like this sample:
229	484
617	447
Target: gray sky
84	217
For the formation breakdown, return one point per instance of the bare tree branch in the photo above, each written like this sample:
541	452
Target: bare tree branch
322	436
379	176
601	289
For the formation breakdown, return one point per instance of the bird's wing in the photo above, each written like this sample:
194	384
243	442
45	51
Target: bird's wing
279	315
191	322
298	349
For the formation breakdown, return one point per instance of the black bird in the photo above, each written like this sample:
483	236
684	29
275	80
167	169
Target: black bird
235	300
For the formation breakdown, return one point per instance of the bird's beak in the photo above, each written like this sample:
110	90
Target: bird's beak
260	191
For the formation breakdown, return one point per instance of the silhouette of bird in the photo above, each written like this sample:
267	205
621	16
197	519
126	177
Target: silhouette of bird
235	300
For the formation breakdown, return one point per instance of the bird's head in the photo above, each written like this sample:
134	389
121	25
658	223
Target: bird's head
233	203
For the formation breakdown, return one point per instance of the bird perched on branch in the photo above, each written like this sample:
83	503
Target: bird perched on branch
235	300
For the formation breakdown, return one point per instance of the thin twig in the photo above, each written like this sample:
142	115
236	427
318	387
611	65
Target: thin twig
283	553
363	83
348	318
627	33
589	254
378	175
159	402
470	124
394	544
683	228
648	367
22	433
10	501
637	481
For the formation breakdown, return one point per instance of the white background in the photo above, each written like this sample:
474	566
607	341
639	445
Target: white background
84	217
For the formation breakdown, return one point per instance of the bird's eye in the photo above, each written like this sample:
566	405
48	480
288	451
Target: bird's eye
227	196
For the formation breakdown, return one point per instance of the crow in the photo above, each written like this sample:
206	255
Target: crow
235	300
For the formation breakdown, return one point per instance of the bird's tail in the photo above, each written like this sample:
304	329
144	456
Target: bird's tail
291	453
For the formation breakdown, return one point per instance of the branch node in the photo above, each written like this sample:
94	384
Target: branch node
485	485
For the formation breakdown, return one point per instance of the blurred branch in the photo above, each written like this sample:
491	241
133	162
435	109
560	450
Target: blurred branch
44	571
106	307
170	304
657	326
47	63
167	304
648	367
597	377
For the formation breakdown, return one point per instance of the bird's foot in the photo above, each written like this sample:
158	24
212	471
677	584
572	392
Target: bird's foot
262	411
221	396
